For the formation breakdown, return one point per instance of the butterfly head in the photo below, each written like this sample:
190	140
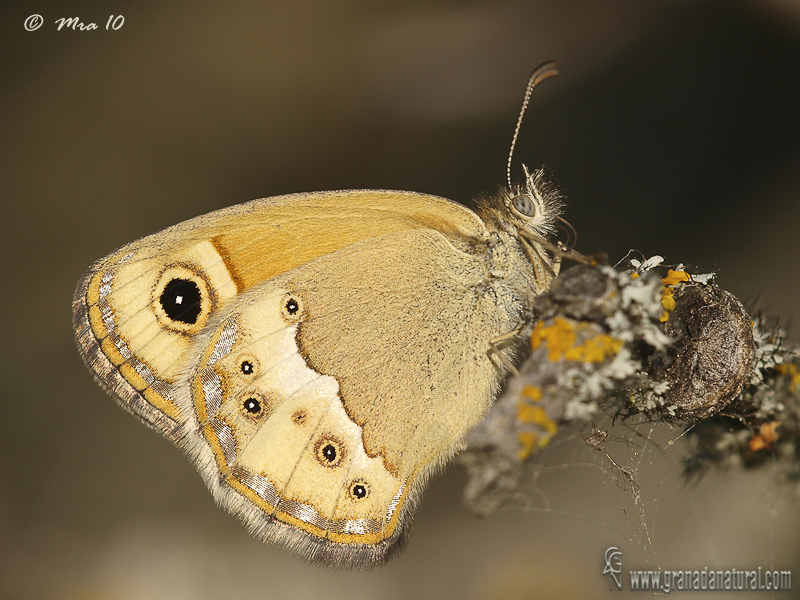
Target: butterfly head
535	206
530	211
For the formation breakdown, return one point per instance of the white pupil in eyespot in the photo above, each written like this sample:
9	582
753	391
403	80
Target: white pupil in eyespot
252	406
329	452
524	205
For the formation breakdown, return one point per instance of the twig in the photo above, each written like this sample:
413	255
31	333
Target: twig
627	341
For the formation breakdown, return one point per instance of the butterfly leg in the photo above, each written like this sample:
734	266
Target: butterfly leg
496	352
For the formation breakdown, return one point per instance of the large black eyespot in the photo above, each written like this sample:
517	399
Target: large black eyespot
252	406
329	451
524	205
292	306
180	300
358	490
183	298
247	367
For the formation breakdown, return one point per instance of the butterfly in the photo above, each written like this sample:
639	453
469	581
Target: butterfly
320	355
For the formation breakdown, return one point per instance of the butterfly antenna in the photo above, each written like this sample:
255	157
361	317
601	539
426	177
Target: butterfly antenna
539	74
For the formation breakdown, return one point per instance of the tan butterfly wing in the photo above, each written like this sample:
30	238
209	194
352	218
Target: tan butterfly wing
139	356
335	355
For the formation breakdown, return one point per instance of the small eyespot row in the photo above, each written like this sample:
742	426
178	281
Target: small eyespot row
329	451
252	406
358	490
247	367
292	308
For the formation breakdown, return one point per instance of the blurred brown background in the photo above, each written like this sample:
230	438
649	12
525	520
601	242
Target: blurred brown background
674	128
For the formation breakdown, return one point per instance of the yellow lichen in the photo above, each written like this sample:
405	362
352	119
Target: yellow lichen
534	415
793	372
766	436
595	350
527	440
532	393
672	279
675	277
561	337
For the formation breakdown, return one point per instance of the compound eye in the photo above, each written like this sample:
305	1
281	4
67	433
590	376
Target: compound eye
523	204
